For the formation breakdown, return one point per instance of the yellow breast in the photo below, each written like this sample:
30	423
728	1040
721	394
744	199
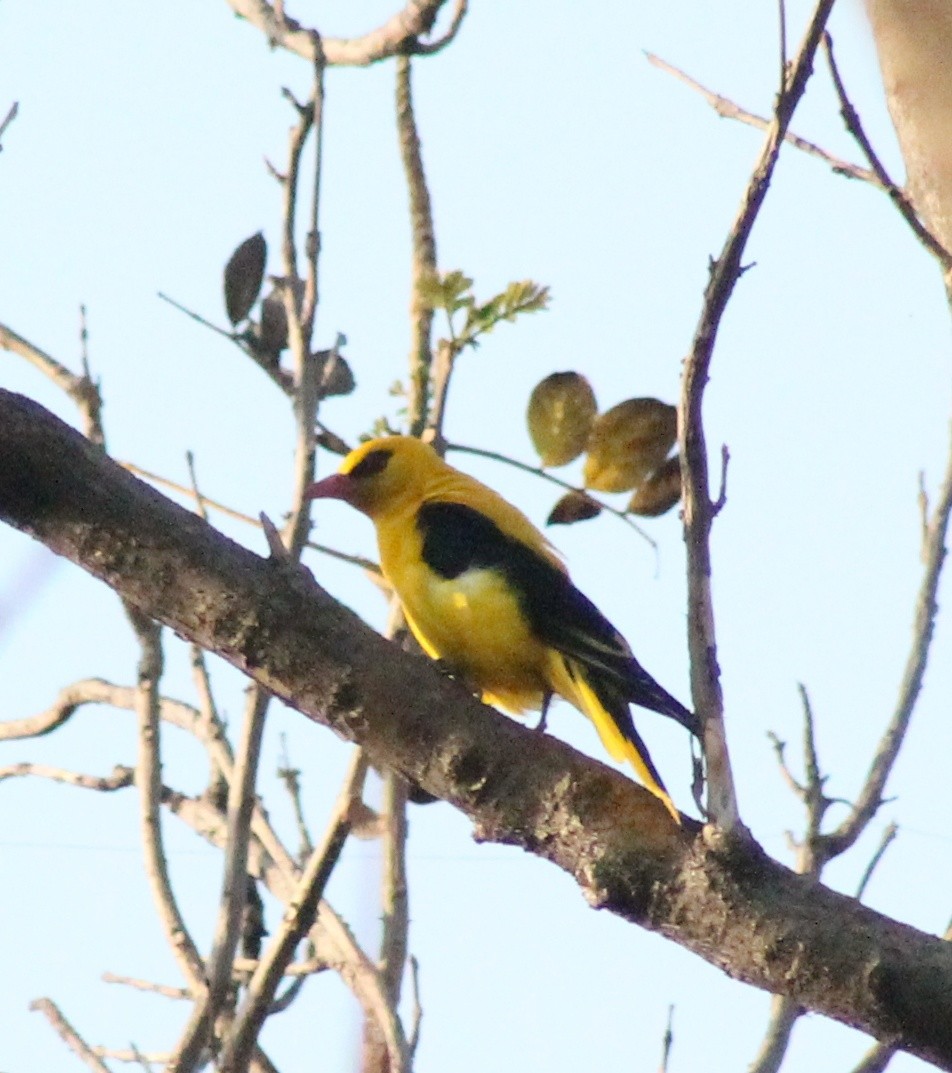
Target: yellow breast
473	621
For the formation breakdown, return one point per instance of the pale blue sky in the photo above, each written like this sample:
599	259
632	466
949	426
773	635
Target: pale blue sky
555	152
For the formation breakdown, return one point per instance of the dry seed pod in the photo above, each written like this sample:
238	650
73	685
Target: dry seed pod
336	378
628	442
659	492
561	410
573	507
244	275
330	441
273	332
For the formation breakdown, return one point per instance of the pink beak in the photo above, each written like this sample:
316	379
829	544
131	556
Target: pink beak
337	486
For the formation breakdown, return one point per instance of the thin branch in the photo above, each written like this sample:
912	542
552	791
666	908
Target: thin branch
697	505
120	778
394	36
423	255
889	834
333	940
291	777
780	749
69	699
430	48
536	471
394	895
80	389
667	1041
784	1014
416	1016
782	27
296	969
727	108
8	119
241	803
230	512
147	985
871	794
84	343
68	1034
876	1059
146	1059
212	728
273	371
65	380
313	241
897	194
297	922
149	781
198	318
718	505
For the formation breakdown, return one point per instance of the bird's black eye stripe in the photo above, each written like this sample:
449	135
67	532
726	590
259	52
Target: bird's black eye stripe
372	464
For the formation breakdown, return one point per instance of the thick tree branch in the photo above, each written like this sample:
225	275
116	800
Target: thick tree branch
720	897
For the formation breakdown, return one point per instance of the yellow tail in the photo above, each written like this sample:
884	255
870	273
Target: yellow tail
583	696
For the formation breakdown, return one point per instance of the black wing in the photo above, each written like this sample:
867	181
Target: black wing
457	538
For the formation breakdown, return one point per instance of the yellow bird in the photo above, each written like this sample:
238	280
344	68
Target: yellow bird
485	592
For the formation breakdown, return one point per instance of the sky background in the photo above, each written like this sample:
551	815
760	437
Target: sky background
555	152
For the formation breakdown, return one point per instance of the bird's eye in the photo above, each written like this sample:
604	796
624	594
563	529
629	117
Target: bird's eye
372	464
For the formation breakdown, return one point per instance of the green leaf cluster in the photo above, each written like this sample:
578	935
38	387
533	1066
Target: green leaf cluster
453	293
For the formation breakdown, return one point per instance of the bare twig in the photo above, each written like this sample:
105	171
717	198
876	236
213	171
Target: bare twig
416	1017
80	389
394	895
213	728
274	372
876	1059
68	1034
291	777
69	699
727	108
896	194
780	748
120	778
296	924
782	27
889	833
334	942
84	343
394	36
698	508
8	119
721	501
430	48
147	985
198	318
667	1040
149	781
313	241
871	794
784	1014
241	804
230	512
145	1059
311	967
536	471
423	255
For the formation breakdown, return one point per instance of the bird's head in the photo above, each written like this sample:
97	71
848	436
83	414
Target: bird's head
381	475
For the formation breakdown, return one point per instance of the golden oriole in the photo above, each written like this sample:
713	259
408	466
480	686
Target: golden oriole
484	591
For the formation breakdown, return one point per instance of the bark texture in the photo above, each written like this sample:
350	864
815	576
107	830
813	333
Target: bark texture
717	895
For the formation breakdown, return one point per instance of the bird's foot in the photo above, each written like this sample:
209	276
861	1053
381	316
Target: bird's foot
543	722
